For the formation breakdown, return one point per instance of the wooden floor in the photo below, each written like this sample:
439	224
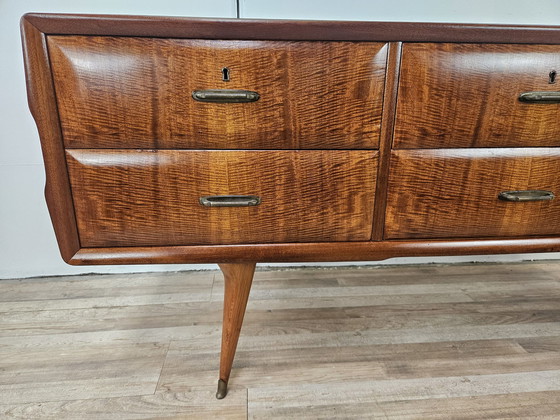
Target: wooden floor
408	342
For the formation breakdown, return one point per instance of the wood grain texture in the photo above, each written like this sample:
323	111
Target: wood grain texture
138	198
195	404
237	281
136	93
277	29
42	104
454	193
96	371
371	397
308	241
386	138
466	95
311	252
347	342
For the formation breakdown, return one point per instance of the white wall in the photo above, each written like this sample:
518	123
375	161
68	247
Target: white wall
537	12
27	242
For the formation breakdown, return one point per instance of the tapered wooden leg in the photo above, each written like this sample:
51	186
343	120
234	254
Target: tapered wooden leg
238	279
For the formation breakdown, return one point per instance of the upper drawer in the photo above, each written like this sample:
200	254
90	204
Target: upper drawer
137	93
152	198
467	95
455	193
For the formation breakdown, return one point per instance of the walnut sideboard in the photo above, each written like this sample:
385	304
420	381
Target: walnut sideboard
175	140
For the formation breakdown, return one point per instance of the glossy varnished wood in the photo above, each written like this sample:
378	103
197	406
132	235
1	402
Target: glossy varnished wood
158	27
139	198
386	138
454	193
237	285
136	93
277	29
466	95
42	104
323	251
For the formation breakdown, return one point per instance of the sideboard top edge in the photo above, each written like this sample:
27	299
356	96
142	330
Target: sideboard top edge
268	29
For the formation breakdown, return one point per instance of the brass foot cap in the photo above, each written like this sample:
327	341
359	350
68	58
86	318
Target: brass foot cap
222	389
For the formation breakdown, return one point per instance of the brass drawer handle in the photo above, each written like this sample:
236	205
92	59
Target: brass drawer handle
230	200
225	96
528	195
540	97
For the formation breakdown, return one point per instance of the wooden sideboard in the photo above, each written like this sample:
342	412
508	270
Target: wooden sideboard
174	140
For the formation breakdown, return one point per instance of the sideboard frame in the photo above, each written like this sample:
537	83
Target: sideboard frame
37	27
238	261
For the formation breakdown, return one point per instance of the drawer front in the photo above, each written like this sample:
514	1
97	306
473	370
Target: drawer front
137	93
467	95
454	193
151	198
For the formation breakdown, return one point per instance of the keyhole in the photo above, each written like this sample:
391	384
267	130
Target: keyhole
552	77
225	74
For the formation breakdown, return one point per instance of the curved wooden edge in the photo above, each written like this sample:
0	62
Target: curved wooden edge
177	27
309	252
42	104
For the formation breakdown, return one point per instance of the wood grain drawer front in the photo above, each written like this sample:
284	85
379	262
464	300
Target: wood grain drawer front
454	193
466	95
137	93
135	198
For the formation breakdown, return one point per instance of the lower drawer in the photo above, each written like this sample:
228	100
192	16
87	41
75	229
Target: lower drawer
452	193
152	198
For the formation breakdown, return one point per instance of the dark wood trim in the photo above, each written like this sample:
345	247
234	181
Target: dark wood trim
386	137
178	27
42	104
310	252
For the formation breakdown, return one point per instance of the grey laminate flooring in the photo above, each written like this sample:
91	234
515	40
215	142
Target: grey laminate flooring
462	341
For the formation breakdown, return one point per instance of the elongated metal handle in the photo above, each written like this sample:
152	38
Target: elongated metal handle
540	97
230	200
225	95
528	195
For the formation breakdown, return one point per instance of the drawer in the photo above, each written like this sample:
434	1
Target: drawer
467	95
151	198
119	92
454	193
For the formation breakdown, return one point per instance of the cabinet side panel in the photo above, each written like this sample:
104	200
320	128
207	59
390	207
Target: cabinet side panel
42	103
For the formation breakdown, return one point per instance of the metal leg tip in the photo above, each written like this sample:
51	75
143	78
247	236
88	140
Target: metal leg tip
222	389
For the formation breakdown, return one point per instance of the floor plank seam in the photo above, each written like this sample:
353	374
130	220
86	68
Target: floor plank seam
162	367
213	287
435	352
